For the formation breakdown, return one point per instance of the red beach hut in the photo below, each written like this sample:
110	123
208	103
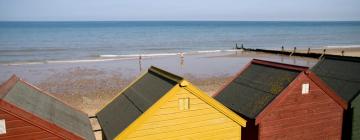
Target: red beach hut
283	101
28	113
306	109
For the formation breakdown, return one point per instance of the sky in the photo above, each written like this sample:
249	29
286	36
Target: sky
243	10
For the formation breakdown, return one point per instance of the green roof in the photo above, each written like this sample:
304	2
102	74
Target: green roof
44	106
256	86
135	100
342	74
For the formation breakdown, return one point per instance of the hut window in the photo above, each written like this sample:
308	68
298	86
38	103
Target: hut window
305	88
183	103
2	127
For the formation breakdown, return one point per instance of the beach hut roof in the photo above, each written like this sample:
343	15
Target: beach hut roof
30	99
317	81
341	74
253	88
139	97
135	100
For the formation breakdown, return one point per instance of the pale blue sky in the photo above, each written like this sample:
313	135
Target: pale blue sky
54	10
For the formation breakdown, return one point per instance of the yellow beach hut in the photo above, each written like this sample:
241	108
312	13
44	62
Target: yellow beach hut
161	105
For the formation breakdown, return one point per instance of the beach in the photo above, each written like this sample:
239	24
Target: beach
88	86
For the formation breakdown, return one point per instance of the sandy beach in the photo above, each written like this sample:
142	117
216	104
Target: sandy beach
87	86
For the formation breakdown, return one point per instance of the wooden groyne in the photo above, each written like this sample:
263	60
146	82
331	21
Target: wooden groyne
290	52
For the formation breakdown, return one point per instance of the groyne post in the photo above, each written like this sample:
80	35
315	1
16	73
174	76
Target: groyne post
294	51
308	52
322	54
282	48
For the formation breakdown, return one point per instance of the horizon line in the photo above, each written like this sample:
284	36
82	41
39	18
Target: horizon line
129	20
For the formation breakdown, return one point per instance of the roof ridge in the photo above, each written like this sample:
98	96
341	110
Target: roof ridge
328	90
7	85
36	120
5	88
166	74
317	81
279	65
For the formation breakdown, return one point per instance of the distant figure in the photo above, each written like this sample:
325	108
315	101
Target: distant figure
181	55
308	51
181	61
140	58
282	48
342	53
242	46
181	58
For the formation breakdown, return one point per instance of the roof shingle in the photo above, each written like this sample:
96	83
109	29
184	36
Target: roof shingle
256	86
135	100
342	74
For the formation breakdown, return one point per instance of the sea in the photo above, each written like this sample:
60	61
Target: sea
86	41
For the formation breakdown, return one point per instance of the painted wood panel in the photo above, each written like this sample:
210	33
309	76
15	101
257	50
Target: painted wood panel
303	116
355	109
18	129
200	121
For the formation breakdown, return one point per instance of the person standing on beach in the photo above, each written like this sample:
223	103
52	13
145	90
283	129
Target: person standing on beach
140	58
181	58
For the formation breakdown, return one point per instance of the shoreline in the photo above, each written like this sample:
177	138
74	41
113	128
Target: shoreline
349	50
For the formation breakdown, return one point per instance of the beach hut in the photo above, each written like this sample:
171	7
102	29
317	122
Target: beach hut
342	75
306	109
161	105
26	112
253	88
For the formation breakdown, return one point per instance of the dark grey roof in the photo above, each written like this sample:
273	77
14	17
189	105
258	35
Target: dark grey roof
256	86
342	74
46	107
135	100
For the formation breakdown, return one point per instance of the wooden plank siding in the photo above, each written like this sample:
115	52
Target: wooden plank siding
200	121
294	115
355	115
18	129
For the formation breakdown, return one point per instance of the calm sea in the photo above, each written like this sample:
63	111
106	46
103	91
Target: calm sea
38	42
